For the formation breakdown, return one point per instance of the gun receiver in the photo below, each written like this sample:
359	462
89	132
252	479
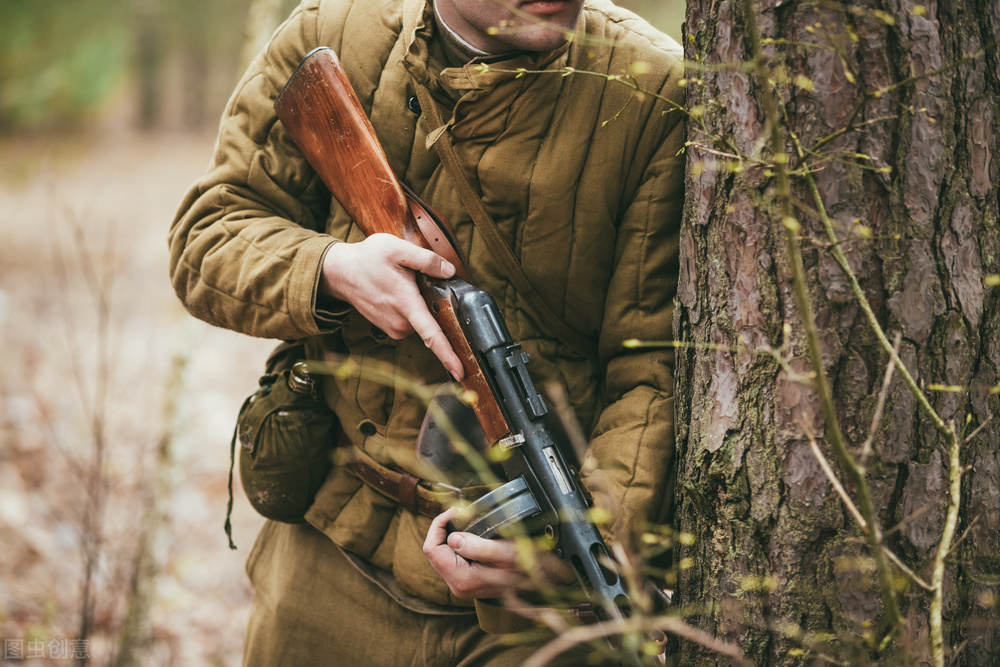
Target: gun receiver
321	112
543	488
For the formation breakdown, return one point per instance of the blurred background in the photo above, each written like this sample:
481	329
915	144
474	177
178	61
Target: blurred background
116	407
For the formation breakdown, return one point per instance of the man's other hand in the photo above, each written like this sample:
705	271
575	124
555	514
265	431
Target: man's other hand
474	567
377	277
471	566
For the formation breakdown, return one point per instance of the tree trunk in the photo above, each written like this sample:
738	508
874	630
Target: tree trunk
900	101
263	18
149	61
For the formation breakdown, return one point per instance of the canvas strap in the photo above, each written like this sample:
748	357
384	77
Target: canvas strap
509	264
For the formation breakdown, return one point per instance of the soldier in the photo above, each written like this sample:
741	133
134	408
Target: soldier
582	179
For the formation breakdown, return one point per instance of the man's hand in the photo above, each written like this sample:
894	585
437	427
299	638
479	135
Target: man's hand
477	568
377	277
471	566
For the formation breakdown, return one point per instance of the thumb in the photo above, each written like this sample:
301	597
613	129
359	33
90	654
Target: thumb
457	542
440	268
499	552
427	262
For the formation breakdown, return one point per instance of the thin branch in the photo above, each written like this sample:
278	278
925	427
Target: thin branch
908	518
854	127
913	576
849	127
965	534
866	448
944	547
859	295
571	425
979	429
868	96
713	151
624	79
957	652
838	487
670	624
852	508
969	57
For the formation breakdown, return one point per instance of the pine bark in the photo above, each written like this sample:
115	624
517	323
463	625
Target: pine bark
770	557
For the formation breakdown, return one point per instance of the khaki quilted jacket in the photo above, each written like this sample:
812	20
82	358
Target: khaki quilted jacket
583	179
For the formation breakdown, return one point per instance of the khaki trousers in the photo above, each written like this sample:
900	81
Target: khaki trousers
313	607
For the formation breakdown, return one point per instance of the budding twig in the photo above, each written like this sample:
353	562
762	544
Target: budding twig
979	429
837	486
671	624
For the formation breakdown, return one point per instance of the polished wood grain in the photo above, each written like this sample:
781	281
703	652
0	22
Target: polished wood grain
322	114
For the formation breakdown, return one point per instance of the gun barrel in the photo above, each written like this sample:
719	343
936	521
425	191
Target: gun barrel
538	460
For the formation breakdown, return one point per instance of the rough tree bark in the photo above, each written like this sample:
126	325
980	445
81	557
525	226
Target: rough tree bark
906	166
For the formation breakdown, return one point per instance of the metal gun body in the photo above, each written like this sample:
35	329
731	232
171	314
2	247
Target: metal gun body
557	506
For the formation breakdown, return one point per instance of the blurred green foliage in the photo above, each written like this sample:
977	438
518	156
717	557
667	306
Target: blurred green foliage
62	59
59	57
667	15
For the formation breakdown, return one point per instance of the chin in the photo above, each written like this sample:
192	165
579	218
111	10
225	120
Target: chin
539	39
561	17
544	41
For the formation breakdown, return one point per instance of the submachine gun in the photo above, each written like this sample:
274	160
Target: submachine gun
321	112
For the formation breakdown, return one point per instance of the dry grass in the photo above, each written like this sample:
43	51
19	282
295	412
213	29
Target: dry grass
66	205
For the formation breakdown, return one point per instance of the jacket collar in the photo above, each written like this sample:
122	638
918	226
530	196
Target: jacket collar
451	83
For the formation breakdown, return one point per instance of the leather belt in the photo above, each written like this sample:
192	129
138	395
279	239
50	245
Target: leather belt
412	493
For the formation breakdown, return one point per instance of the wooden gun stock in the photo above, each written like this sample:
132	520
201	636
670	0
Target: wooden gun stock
322	113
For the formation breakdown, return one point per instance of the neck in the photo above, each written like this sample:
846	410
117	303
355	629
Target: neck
456	47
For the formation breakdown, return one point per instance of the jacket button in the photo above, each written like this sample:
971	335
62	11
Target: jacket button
367	428
413	104
378	334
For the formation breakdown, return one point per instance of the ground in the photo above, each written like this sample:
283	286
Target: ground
84	286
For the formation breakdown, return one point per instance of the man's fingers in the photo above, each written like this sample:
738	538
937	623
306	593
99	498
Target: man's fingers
442	557
467	579
425	261
427	328
376	277
438	532
500	553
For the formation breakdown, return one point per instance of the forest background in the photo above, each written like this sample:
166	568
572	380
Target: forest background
116	407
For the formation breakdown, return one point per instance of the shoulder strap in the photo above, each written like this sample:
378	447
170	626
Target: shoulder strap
509	264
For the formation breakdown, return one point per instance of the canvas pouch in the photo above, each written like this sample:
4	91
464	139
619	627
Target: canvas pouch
286	434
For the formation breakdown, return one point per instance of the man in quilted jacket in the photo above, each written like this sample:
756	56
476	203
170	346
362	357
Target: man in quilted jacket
582	178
